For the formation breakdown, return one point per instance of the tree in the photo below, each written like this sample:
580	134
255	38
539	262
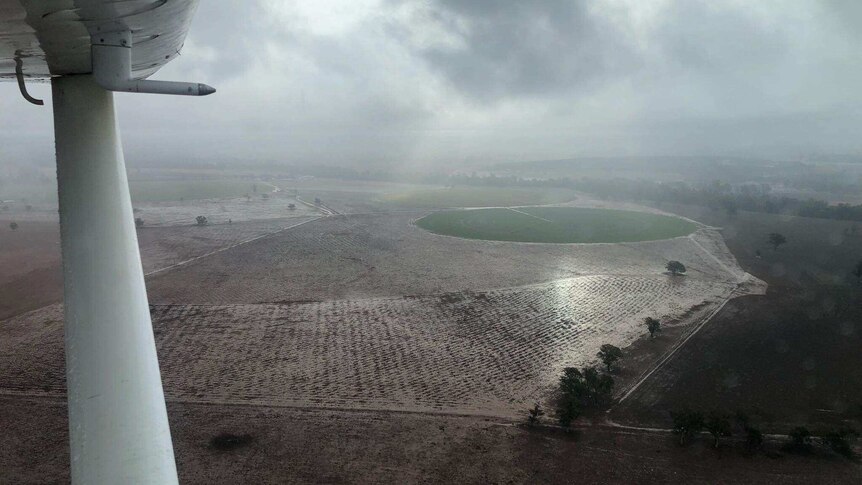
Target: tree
579	390
776	239
599	387
800	439
675	267
291	207
686	424
839	441
139	222
857	271
753	438
730	207
653	325
569	402
13	225
718	426
609	354
201	220
534	415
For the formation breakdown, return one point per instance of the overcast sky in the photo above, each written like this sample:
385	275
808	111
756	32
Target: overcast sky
407	83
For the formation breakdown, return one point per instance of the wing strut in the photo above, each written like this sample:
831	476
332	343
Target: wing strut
118	423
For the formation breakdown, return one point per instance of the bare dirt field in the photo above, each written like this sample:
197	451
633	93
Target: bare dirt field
30	276
360	348
30	272
220	211
492	353
373	255
282	445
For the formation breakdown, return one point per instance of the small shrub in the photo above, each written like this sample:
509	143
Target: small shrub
201	220
13	225
653	325
229	441
686	424
800	440
753	438
675	267
840	440
534	415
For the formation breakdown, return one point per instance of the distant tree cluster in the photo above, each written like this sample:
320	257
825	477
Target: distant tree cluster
688	424
719	196
580	390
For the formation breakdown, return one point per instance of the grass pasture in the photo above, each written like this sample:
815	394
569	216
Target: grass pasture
476	197
556	225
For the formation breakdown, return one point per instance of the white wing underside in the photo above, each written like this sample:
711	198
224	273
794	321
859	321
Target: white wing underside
52	37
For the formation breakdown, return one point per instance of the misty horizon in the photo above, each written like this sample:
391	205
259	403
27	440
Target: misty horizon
418	84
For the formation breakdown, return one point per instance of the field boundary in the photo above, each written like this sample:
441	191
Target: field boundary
250	240
672	351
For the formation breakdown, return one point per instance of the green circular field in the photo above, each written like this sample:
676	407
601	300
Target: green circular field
556	225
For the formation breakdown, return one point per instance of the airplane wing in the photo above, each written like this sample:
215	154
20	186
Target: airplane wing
52	37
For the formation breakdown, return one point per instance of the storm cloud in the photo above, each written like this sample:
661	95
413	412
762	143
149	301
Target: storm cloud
406	83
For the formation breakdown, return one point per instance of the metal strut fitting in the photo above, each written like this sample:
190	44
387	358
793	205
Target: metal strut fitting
19	75
112	69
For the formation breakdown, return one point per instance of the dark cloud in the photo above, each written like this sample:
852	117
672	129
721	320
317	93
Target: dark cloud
538	48
411	81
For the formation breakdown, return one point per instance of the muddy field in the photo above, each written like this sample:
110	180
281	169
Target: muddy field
220	211
345	345
371	312
30	272
363	256
490	353
288	446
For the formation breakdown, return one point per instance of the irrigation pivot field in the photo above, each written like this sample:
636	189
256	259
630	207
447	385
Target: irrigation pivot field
556	225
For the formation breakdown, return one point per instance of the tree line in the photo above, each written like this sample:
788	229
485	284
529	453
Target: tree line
717	195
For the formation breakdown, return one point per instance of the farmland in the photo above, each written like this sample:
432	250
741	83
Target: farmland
556	225
287	325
